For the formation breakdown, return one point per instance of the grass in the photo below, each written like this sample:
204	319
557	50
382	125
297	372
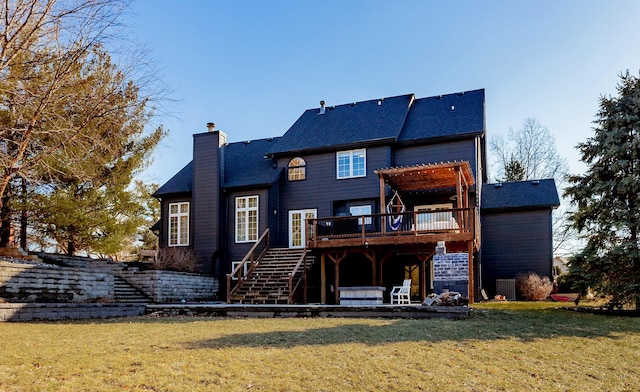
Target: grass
502	347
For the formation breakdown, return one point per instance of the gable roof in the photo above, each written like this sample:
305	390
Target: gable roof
342	125
181	182
245	164
520	195
445	116
401	118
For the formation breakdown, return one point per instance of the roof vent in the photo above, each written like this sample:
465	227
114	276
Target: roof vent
453	108
535	182
322	103
211	126
498	185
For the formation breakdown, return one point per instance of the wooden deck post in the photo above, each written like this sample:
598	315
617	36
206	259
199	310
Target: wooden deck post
335	288
470	255
423	280
383	220
323	279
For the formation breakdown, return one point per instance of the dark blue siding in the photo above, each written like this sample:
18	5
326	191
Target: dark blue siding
236	251
462	150
515	242
164	218
321	187
206	197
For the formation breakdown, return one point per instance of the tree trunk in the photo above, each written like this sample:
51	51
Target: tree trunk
5	220
23	215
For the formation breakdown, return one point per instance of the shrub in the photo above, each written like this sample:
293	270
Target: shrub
533	287
177	259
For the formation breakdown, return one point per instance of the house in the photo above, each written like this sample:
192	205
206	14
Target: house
368	194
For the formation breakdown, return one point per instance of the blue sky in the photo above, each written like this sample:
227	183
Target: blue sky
253	67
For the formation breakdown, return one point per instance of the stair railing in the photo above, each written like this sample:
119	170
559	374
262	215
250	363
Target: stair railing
302	261
253	257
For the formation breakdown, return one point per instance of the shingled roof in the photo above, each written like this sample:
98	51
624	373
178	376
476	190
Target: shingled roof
245	164
181	182
238	157
377	120
520	195
445	116
387	120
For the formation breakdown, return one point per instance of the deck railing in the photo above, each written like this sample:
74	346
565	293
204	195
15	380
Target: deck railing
413	223
252	258
295	286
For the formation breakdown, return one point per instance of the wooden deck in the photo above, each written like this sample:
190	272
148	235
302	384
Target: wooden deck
452	225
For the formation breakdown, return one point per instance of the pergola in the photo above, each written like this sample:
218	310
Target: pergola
450	175
442	177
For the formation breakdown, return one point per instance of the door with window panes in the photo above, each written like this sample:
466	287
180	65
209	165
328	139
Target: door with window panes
298	233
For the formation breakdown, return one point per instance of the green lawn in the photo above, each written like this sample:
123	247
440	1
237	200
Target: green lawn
502	347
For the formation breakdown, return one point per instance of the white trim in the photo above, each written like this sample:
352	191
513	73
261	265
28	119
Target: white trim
350	155
180	240
312	213
243	234
439	217
361	210
234	264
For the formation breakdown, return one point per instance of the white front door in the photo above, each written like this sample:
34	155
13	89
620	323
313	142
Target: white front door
297	233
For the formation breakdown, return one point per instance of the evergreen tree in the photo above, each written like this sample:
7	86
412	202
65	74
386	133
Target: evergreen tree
608	199
513	170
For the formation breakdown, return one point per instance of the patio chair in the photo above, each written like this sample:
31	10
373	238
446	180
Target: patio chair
401	294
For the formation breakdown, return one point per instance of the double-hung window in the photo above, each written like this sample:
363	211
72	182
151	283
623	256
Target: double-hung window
179	224
350	164
247	219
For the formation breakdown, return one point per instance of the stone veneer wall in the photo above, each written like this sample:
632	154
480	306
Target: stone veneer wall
169	286
451	271
51	283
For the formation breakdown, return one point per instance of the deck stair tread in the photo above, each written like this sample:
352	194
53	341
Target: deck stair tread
268	282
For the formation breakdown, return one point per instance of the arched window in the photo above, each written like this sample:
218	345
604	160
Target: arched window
297	169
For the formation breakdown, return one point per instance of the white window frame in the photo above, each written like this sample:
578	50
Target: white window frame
234	264
351	155
246	233
431	208
180	240
359	210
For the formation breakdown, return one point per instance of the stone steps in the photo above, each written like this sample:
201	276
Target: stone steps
125	293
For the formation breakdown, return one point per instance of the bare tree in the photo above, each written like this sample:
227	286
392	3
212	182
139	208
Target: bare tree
530	153
533	148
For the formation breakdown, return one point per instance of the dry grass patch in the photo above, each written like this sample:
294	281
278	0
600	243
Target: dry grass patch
503	347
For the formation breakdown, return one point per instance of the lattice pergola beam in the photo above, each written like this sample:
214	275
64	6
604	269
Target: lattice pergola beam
428	177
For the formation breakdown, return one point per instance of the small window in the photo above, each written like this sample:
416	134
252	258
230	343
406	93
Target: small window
436	213
178	224
247	219
350	164
235	264
359	211
297	169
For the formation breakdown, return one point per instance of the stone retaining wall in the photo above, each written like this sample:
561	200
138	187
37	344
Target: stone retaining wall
50	283
66	311
169	286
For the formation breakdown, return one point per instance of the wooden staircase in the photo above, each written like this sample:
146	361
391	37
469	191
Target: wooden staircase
268	282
